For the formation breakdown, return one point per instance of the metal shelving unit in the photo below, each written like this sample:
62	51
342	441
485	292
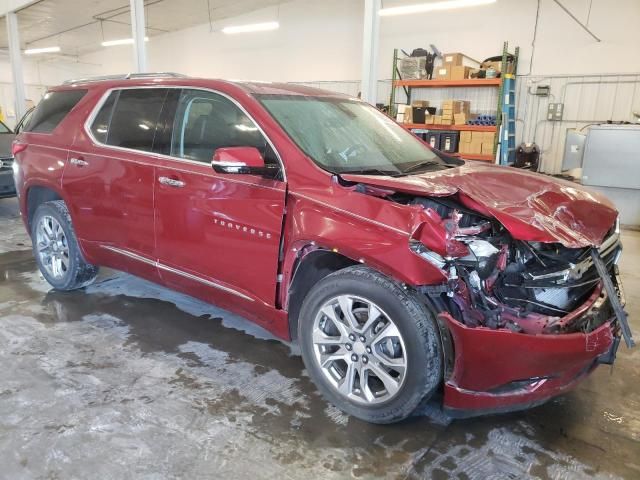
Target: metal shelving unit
505	110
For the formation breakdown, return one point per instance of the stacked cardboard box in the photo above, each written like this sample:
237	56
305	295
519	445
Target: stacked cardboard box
477	143
451	108
453	67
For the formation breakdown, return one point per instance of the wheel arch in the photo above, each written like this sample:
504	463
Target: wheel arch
35	196
308	271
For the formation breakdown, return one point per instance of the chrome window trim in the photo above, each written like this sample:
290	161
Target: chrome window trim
162	266
94	112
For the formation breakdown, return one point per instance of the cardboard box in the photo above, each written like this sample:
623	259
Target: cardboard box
487	148
437	119
489	137
428	119
447	121
459	72
420	103
456	106
462	118
470	148
476	147
443	73
465	136
408	114
400	114
477	137
453	59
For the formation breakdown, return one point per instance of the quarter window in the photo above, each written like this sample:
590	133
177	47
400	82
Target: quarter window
134	119
52	109
206	121
100	125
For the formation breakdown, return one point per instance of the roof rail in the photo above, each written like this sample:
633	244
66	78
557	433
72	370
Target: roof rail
123	76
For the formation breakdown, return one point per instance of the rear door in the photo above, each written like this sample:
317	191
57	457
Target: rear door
110	179
220	230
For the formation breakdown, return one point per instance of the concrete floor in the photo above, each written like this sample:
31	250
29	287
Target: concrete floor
127	379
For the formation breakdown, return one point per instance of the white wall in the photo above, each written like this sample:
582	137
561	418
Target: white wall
38	74
316	40
322	40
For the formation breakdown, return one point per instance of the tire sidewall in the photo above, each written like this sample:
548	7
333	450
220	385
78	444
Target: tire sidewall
49	209
421	340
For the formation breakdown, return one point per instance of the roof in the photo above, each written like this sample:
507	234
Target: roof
176	79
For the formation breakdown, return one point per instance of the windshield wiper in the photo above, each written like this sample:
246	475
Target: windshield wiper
419	165
372	171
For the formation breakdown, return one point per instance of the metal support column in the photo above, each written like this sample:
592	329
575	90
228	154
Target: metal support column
137	29
16	64
370	41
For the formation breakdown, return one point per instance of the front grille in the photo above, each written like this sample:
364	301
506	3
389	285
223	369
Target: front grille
555	280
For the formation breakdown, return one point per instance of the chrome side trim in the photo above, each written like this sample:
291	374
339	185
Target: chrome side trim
103	99
355	215
167	268
129	254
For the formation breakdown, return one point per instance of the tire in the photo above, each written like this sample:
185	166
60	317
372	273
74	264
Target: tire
52	221
416	345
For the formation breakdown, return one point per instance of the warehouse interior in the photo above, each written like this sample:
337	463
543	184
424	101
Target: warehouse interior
129	379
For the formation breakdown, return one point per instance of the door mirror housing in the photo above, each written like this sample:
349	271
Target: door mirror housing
243	160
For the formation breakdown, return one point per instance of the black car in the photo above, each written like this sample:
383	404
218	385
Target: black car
7	185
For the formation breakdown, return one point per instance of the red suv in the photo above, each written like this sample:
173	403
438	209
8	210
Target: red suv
399	270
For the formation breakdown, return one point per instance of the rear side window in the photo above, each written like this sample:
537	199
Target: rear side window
52	110
134	119
100	125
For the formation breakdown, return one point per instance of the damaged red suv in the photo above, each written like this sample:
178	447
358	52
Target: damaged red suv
400	271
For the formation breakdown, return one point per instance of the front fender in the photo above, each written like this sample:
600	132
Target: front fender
313	224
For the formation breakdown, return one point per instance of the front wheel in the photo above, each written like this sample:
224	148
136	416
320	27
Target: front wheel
56	249
369	345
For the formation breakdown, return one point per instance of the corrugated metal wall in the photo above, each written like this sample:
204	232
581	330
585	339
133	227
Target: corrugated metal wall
587	99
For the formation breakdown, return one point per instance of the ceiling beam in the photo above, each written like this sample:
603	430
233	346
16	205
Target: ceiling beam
7	6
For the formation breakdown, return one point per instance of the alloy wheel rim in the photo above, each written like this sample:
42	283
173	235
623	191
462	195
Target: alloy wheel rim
52	246
359	349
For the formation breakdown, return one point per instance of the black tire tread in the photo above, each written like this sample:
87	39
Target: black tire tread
426	329
83	273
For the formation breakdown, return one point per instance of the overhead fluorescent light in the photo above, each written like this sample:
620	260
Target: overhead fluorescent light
254	27
122	41
34	51
433	6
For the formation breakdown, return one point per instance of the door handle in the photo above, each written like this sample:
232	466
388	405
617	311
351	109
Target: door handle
78	162
171	182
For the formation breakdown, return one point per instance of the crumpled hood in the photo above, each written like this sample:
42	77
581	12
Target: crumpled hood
532	207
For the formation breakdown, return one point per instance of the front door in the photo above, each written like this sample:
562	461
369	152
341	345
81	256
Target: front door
220	230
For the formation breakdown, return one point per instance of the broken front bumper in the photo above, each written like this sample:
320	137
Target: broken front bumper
500	370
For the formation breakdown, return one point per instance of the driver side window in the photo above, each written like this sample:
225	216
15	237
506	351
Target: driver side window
205	121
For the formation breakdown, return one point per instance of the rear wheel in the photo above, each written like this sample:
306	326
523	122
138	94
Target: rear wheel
370	346
56	250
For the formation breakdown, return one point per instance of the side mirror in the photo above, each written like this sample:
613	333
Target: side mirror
247	160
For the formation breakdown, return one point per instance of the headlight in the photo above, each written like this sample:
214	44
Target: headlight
618	224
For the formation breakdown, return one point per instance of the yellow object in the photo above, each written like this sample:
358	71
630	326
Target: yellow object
1	115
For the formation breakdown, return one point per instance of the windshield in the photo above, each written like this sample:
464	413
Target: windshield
4	128
349	136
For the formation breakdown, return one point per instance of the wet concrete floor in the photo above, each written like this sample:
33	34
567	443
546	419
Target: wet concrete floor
127	379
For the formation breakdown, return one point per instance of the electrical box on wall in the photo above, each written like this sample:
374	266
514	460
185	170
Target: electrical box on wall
554	112
542	90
